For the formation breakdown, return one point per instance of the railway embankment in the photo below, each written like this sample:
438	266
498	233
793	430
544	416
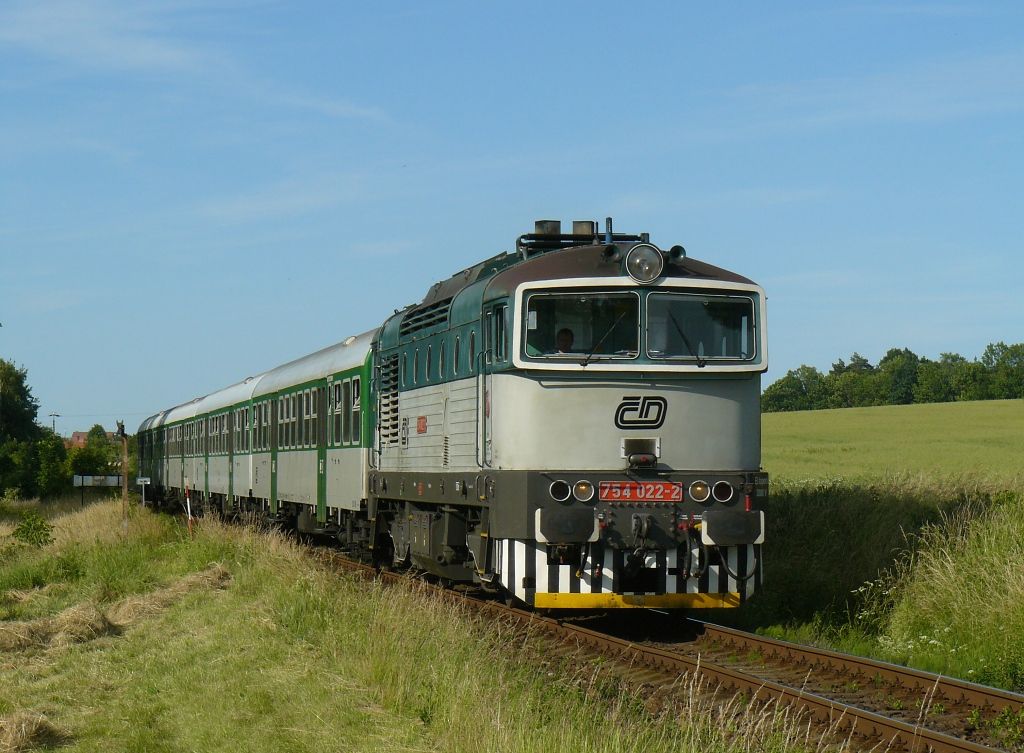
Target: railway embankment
235	639
897	532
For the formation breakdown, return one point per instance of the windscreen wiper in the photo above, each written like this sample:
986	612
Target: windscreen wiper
701	363
604	337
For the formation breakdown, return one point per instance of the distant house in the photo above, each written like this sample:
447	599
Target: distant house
78	438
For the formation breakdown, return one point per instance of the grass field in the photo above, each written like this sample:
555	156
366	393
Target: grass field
981	440
238	640
898	532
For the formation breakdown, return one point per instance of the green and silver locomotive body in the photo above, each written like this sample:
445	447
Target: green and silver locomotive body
576	425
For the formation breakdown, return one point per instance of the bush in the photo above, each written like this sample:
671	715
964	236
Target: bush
33	529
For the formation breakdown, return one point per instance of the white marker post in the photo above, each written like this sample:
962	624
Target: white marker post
188	510
142	481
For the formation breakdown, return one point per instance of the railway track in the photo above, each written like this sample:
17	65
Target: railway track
876	705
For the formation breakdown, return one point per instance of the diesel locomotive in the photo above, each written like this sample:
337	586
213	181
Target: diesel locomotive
575	424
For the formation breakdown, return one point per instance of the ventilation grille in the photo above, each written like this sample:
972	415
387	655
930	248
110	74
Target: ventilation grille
389	401
428	316
446	452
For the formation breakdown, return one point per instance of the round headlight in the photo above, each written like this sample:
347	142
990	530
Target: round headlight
700	491
583	491
644	262
722	491
559	491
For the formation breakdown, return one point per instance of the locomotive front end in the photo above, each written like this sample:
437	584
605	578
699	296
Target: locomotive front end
620	444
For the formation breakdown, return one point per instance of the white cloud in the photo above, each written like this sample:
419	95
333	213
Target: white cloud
331	107
151	37
288	198
100	33
927	91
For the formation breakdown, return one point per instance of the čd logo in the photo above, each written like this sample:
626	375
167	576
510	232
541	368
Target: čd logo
635	412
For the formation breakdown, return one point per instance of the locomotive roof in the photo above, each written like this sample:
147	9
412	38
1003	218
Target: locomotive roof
462	295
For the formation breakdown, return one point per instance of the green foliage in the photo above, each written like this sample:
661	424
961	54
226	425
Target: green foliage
957	605
825	539
901	377
53	477
89	460
18	407
19	467
33	529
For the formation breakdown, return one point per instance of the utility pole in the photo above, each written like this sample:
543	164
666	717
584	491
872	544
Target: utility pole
53	421
124	475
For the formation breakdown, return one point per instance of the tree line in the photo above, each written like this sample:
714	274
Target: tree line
34	461
899	378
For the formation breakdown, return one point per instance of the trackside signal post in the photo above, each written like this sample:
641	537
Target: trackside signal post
124	474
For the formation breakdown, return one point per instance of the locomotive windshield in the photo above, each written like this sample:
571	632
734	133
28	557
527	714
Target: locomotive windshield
588	325
700	327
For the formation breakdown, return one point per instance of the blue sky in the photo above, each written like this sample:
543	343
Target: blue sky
192	192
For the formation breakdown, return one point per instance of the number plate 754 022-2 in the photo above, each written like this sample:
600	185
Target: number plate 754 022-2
640	491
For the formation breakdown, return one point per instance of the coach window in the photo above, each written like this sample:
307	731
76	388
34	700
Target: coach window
288	405
472	350
415	366
430	361
285	420
355	410
307	421
346	401
315	436
440	359
296	430
405	369
337	413
455	356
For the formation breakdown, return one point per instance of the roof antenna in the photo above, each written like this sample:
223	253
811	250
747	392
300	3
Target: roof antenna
608	230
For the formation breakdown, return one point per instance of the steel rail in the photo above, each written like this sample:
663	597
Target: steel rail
950	689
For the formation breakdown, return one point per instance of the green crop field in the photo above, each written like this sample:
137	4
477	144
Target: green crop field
981	440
